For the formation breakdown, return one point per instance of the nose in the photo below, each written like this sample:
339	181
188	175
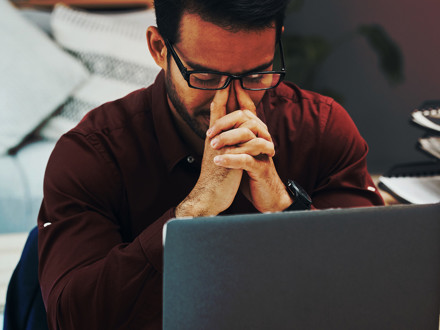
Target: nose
234	90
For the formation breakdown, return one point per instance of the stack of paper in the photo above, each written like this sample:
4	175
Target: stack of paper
419	183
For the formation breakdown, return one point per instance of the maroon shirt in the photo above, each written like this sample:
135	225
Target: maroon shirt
114	180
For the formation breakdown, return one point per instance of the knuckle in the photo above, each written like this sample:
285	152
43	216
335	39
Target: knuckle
250	133
255	124
240	113
247	133
272	150
251	122
268	147
248	113
262	143
249	161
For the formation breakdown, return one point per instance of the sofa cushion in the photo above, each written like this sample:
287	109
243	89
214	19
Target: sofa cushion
36	76
114	49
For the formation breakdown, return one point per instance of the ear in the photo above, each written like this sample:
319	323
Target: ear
157	47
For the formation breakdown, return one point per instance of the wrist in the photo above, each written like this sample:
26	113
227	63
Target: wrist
193	206
285	201
277	200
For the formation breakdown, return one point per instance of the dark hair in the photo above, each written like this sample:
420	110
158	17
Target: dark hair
232	15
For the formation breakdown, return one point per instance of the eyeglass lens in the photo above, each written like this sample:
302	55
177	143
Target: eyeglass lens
217	81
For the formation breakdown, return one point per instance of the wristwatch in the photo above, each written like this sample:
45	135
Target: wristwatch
301	200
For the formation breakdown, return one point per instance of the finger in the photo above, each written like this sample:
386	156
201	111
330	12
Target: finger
240	161
240	118
254	147
258	128
232	137
243	98
218	105
227	122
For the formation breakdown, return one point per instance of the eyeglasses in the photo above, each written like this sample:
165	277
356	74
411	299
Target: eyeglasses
215	80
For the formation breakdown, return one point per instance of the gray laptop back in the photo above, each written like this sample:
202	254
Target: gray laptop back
359	268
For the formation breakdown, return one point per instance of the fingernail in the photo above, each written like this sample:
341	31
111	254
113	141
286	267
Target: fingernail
218	160
209	132
214	143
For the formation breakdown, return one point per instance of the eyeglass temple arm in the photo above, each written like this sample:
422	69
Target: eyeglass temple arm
176	58
283	66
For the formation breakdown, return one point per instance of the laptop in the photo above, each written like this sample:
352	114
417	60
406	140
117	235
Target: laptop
356	268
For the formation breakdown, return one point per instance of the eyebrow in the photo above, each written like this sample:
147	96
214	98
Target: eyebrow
198	67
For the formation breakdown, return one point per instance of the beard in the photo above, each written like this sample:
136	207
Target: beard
199	121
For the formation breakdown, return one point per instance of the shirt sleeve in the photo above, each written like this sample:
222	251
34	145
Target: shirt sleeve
90	277
343	179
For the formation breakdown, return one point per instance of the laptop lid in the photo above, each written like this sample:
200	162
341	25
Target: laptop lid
357	268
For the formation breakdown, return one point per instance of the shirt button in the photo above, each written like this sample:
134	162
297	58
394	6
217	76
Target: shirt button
190	159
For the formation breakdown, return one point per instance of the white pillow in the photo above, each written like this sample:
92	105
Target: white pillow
36	76
114	49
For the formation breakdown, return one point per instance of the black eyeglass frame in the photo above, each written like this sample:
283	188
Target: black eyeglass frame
187	73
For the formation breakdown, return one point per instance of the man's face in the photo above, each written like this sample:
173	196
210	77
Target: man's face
206	46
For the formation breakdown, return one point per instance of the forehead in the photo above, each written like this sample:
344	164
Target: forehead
220	49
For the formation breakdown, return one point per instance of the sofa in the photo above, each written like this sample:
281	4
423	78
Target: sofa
55	66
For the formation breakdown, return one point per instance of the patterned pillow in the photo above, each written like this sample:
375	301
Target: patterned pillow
113	48
36	77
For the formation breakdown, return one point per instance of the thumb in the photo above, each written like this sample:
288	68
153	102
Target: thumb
218	105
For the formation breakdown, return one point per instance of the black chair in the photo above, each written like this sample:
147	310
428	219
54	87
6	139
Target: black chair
24	309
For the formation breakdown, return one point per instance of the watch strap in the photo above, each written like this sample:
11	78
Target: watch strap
301	200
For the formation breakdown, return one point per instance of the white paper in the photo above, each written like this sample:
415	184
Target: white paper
415	190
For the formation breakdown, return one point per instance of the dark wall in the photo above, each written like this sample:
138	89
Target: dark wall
380	111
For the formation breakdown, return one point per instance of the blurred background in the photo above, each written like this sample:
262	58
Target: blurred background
379	59
380	104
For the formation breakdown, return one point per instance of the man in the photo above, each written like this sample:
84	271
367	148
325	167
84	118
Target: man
212	135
